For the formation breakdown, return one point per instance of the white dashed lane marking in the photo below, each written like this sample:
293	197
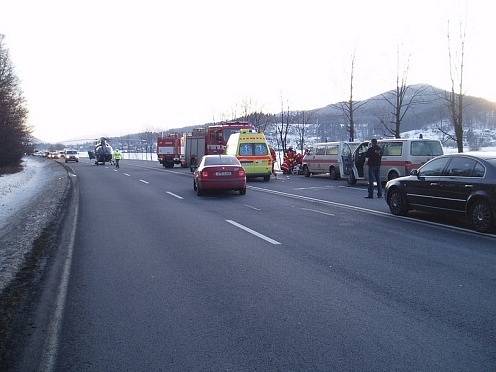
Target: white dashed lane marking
315	188
317	211
174	195
252	207
253	232
144	181
126	174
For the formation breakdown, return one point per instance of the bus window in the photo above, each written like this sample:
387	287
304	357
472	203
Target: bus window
392	149
320	150
332	150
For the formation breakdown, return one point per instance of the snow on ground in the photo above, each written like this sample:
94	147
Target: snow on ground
16	190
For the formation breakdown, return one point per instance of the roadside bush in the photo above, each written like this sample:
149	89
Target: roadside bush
14	132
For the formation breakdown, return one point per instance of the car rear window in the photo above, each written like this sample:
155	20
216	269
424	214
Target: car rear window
222	160
426	148
250	149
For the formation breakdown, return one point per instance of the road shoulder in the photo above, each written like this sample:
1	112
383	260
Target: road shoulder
30	246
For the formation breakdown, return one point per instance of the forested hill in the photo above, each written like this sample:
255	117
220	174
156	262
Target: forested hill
428	109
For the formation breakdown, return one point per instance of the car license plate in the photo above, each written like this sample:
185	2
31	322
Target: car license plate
222	173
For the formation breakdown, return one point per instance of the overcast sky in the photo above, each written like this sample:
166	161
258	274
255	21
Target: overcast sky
111	67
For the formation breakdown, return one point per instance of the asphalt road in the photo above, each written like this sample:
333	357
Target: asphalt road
325	280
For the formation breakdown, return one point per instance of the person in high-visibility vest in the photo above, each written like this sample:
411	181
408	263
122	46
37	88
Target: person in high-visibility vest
117	156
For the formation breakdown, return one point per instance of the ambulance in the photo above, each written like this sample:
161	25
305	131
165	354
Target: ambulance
399	157
252	151
328	157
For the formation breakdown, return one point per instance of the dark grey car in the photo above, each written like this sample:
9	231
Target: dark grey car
456	183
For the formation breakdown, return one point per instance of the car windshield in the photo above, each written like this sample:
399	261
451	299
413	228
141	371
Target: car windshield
72	152
221	160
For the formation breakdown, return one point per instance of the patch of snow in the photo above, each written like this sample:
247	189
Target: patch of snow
16	190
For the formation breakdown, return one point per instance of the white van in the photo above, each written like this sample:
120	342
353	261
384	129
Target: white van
327	157
399	158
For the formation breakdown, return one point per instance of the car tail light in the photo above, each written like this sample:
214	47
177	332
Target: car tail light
204	174
241	172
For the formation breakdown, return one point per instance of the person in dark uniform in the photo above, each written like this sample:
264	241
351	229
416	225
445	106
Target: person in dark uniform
374	154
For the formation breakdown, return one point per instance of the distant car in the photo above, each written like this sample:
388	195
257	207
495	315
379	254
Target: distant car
61	154
462	184
53	155
219	172
71	155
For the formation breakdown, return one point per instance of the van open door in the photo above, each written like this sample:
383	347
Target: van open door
345	159
358	167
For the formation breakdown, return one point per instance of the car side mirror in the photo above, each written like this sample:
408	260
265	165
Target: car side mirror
415	172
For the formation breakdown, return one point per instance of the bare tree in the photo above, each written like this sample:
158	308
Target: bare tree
246	107
455	97
401	99
14	133
301	128
282	128
348	108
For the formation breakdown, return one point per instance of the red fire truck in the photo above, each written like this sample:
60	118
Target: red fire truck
188	149
217	135
169	150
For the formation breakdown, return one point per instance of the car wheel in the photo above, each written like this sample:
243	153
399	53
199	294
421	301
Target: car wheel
481	216
392	175
306	171
333	173
242	191
351	179
66	161
397	203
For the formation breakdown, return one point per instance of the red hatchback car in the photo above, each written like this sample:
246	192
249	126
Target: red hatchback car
219	172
